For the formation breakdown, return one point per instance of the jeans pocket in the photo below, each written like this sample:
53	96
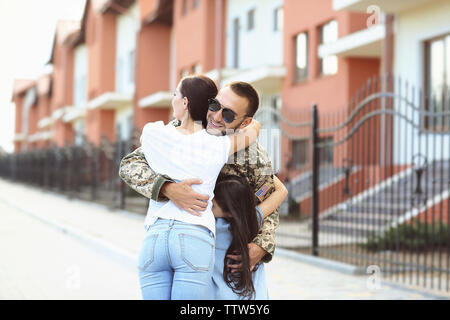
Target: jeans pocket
197	252
147	253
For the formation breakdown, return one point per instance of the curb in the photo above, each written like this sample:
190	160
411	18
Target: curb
100	245
350	270
321	262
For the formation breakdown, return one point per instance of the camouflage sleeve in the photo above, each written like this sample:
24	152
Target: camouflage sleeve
266	236
254	163
138	175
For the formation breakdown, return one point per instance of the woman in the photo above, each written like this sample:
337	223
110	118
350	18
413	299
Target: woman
177	256
238	222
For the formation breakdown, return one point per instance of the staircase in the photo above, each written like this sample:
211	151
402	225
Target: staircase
389	202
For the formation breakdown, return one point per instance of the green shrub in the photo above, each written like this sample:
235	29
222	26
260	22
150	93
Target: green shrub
415	236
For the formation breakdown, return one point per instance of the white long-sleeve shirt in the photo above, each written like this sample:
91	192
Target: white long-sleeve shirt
197	155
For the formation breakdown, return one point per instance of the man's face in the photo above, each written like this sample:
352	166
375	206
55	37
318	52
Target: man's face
228	99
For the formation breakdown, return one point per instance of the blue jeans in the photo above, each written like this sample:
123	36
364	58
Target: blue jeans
176	261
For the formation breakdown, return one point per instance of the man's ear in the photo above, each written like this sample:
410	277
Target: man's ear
246	122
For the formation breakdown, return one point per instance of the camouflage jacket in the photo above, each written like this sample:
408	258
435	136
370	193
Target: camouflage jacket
253	163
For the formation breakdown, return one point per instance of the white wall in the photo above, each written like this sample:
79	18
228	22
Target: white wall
260	46
412	28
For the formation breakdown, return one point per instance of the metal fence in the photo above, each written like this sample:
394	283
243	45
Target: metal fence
368	183
374	188
84	171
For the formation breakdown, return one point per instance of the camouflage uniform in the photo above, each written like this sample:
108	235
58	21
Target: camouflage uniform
253	163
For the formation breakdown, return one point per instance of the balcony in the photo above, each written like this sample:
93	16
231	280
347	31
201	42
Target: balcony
45	122
160	99
39	136
387	6
111	101
74	113
265	77
59	113
20	137
363	43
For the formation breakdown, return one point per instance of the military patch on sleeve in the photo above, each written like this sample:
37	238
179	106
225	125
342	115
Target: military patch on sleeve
262	191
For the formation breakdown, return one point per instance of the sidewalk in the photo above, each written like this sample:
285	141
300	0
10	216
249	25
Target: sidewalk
118	235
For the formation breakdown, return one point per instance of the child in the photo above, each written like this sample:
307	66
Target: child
238	222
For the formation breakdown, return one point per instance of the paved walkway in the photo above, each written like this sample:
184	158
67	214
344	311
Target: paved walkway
44	236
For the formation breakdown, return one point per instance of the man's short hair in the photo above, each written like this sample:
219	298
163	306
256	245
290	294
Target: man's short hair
246	90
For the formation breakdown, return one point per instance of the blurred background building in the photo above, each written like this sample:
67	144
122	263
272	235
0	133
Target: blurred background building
117	68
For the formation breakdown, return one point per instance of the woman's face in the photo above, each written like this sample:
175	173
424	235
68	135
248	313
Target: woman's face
179	104
218	212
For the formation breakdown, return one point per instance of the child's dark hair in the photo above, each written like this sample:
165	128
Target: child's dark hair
235	196
198	89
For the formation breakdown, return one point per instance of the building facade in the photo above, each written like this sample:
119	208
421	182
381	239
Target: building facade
117	68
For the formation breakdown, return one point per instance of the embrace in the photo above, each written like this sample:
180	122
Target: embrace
212	214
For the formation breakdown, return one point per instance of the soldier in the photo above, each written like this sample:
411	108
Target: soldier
232	109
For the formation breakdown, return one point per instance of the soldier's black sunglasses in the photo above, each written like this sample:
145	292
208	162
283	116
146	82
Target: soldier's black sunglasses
228	115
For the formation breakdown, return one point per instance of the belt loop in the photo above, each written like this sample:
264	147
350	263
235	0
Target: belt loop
171	222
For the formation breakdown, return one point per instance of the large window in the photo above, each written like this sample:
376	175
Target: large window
196	68
196	3
184	7
300	153
301	56
127	28
80	75
437	81
251	19
328	33
278	19
326	154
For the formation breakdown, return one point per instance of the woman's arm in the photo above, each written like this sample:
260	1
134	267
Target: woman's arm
245	137
270	204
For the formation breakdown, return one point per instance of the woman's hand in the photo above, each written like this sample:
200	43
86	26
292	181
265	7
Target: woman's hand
255	252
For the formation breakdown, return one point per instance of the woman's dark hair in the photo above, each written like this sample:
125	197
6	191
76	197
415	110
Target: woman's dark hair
198	89
235	196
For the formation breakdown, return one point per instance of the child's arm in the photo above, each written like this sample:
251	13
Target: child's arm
244	137
275	199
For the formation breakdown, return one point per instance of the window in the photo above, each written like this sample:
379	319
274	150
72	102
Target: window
437	81
301	57
196	3
236	41
196	68
131	66
251	19
184	8
120	72
80	90
328	33
79	132
276	108
300	153
184	73
326	152
80	76
278	19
